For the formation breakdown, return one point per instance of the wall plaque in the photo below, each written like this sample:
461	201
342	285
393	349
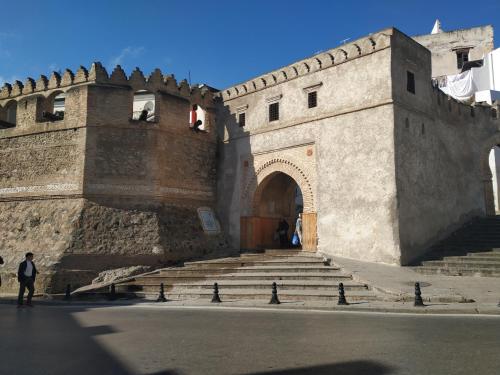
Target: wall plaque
208	220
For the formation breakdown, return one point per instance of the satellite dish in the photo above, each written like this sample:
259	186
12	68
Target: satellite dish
149	106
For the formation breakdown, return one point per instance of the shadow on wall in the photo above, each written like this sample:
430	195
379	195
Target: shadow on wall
234	165
342	368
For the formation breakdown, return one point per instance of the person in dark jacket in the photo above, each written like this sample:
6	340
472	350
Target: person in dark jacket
283	232
26	275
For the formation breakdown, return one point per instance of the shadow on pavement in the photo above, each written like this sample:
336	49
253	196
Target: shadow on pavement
52	341
342	368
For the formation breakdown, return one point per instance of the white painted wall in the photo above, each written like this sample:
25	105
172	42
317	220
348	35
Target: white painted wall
494	162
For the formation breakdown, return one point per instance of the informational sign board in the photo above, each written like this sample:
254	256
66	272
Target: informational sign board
208	220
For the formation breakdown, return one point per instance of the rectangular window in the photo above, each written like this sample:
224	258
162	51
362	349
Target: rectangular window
410	82
274	111
462	58
312	99
241	119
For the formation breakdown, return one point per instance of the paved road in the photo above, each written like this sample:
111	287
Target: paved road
138	340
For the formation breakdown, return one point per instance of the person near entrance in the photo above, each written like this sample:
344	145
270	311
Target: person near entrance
298	228
283	232
26	275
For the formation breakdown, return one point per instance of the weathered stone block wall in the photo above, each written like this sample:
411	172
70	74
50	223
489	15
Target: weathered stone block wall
44	227
48	163
131	188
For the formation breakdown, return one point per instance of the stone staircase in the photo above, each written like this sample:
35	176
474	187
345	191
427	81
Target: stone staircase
300	276
473	250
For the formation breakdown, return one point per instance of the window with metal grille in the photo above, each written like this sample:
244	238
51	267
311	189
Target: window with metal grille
410	82
462	58
312	99
241	119
274	111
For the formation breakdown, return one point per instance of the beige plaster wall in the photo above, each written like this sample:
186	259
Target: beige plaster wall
351	141
444	45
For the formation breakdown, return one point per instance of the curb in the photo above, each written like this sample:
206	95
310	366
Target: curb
408	309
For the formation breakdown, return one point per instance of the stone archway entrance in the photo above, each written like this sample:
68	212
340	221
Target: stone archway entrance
278	191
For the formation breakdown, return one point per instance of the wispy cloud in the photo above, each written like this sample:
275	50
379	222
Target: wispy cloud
4	80
5	53
126	53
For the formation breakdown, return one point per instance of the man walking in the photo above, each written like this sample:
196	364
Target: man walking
26	275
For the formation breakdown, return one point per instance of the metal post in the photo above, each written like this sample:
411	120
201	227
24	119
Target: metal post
215	297
274	296
418	295
342	300
161	296
67	295
112	292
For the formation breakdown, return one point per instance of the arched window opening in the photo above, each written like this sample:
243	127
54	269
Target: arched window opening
9	116
55	107
144	106
197	119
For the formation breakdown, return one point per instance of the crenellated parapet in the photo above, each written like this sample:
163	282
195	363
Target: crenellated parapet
324	60
98	75
450	107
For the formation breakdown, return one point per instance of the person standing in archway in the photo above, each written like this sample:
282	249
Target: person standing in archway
283	232
298	228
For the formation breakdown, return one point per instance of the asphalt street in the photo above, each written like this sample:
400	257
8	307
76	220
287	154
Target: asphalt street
52	340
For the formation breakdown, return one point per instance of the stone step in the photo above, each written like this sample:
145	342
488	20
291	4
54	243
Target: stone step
280	257
483	272
286	252
261	269
290	295
252	263
334	275
462	264
494	254
240	285
471	258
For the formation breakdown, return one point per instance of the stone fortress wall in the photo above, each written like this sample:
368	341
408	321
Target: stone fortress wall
98	190
385	171
368	189
441	146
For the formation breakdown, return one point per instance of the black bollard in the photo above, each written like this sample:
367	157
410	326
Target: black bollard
274	296
418	295
215	297
342	300
112	292
67	295
161	296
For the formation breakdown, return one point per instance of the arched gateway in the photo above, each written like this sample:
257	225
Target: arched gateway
279	190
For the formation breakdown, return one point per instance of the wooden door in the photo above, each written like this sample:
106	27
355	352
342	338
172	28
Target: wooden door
309	232
258	232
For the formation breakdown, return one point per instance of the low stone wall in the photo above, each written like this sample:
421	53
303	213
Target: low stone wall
75	239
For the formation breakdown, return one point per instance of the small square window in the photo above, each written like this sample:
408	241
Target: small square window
410	82
241	119
462	58
274	111
312	99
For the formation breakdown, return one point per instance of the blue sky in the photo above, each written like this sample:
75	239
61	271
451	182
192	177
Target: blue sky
221	42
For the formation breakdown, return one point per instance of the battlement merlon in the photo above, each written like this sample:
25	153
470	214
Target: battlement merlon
345	53
90	93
